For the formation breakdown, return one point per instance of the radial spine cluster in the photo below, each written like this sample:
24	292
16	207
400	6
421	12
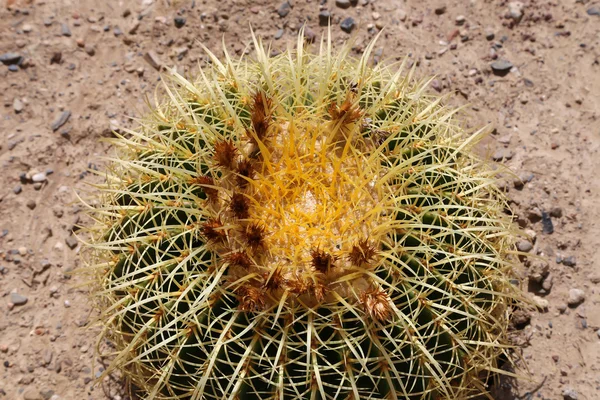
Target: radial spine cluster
301	227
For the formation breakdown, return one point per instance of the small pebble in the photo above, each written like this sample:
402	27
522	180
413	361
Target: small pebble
179	22
64	30
569	394
547	226
10	58
284	9
502	154
515	10
17	189
501	67
60	120
278	34
440	10
570	261
31	204
71	241
90	49
18	299
152	58
460	20
343	3
39	177
324	17
524	246
593	11
348	25
576	297
17	105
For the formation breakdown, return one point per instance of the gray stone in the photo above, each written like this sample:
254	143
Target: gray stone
278	34
72	242
569	394
343	3
524	246
10	58
576	297
570	261
13	68
502	154
64	30
348	25
501	67
324	17
284	9
17	189
60	120
18	299
593	11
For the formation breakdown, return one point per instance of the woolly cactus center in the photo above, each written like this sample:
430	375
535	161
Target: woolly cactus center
316	204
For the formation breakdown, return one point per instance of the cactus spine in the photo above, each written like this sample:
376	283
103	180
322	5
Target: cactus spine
302	227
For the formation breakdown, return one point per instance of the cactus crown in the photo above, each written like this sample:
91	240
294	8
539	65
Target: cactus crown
302	227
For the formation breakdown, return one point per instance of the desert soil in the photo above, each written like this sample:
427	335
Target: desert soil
72	71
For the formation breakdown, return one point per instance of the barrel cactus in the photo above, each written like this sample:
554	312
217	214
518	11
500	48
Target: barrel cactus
303	226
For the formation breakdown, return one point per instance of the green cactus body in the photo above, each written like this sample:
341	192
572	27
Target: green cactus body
302	227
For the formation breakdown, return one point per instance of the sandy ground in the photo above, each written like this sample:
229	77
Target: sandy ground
84	67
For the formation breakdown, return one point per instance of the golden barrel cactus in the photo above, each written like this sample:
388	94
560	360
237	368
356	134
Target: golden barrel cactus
304	226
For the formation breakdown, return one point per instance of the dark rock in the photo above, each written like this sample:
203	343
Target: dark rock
501	67
61	120
440	10
343	3
547	226
284	9
17	189
31	204
11	58
179	22
324	17
348	25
